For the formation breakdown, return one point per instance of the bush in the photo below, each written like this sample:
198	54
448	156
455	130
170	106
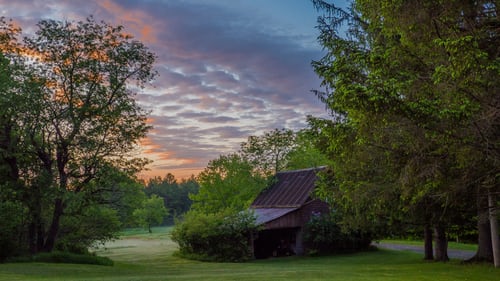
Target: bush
218	237
322	235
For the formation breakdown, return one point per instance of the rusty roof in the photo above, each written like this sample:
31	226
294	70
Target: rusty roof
291	190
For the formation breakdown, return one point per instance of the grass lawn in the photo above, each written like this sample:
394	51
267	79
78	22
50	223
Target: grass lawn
143	256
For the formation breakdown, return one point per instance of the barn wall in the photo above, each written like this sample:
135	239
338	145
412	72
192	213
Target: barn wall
299	217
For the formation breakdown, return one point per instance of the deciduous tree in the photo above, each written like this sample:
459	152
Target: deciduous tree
152	212
269	152
75	113
228	182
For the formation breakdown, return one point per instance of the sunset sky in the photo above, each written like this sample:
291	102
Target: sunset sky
228	69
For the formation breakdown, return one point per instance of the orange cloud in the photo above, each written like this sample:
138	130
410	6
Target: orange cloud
133	19
179	174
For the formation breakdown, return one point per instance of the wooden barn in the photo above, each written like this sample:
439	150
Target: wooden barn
282	210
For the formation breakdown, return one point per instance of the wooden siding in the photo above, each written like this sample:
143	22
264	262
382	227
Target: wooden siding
299	217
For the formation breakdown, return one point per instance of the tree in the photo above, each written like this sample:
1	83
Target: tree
228	182
152	212
82	116
410	82
269	152
89	118
305	153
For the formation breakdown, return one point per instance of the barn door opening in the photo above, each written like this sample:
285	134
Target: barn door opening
276	243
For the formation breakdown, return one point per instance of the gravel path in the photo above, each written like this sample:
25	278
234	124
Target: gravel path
452	254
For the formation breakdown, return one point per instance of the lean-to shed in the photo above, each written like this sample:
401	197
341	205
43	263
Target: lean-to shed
282	210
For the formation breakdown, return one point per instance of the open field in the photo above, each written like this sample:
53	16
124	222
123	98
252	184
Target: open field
141	256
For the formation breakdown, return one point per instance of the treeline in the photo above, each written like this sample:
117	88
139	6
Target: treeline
175	195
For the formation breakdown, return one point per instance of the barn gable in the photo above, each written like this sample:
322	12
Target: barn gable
283	209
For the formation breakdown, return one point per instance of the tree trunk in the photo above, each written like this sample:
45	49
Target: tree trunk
441	243
35	228
484	249
495	243
429	255
32	238
54	227
39	236
149	228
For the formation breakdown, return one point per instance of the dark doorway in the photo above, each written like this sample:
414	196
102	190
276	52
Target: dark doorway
275	243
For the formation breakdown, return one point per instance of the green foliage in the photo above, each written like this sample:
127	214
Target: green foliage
222	236
229	182
305	154
117	190
11	213
152	212
86	228
175	195
269	153
324	235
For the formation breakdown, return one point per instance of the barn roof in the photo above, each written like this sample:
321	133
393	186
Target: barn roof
291	190
264	215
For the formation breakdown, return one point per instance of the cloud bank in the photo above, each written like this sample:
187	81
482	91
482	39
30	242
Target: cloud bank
225	72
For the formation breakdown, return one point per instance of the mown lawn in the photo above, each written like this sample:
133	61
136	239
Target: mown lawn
142	256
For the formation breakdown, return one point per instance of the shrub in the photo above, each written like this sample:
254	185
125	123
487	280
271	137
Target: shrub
219	236
322	235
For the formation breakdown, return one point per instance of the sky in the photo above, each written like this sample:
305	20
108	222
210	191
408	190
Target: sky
228	69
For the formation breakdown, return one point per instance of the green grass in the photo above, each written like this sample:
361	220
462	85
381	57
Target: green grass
451	245
160	232
143	256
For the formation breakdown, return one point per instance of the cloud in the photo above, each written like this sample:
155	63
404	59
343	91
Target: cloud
224	74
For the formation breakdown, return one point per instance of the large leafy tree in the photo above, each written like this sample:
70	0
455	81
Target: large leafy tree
411	82
229	182
82	116
269	152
